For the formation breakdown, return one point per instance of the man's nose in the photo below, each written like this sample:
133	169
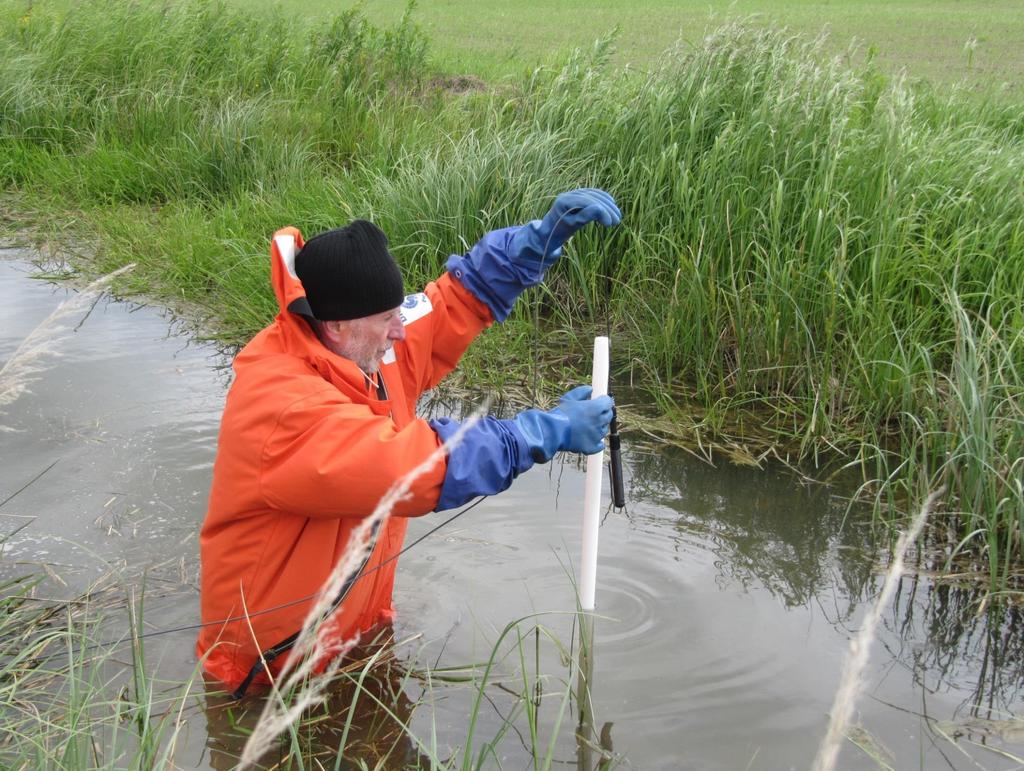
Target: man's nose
397	330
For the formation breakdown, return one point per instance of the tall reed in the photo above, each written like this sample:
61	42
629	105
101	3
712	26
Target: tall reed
851	683
27	361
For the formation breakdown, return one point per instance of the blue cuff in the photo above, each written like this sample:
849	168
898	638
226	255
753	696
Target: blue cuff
492	274
491	454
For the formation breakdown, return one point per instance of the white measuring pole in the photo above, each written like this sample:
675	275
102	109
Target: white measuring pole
592	489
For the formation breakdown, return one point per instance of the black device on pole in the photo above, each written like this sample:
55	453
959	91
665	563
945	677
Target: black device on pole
615	453
615	464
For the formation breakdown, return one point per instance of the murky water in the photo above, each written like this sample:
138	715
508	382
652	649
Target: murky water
726	596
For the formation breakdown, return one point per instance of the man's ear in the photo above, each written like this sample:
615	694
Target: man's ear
334	329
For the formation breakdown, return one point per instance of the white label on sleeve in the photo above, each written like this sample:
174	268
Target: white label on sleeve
416	306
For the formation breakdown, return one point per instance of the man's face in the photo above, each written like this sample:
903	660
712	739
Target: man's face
366	340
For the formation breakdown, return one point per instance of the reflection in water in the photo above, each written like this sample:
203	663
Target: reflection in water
799	543
826	549
944	639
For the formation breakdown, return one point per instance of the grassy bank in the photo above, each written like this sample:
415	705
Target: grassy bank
815	261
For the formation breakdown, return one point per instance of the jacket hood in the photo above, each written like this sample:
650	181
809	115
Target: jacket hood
285	244
296	335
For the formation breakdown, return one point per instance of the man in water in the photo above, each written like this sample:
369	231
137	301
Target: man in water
320	423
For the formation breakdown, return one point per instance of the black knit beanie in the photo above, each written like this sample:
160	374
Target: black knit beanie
349	273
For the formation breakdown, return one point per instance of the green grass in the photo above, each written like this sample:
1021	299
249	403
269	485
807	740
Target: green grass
72	699
816	261
68	702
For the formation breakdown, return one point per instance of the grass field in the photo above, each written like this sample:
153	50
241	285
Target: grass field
980	43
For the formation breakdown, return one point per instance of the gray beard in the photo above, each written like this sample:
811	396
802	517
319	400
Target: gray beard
368	368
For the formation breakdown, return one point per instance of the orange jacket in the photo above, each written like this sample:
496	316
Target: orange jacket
306	448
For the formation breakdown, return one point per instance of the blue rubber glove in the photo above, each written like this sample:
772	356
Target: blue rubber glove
503	263
494	452
577	424
541	240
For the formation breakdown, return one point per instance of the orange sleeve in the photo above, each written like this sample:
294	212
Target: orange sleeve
332	458
435	342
